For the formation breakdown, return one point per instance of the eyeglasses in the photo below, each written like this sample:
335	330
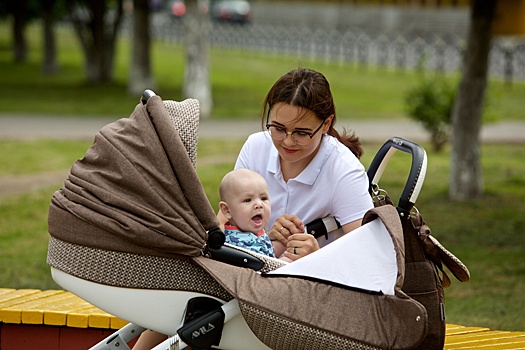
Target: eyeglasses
301	138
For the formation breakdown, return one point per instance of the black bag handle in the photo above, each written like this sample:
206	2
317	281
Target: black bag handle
416	176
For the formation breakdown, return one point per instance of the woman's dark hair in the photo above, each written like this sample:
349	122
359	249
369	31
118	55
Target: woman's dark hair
310	90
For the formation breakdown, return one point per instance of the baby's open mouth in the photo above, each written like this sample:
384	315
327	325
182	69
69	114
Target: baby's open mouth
257	219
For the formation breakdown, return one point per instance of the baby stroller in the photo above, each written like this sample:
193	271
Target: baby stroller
133	233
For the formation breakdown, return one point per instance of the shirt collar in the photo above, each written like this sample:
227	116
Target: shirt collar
230	227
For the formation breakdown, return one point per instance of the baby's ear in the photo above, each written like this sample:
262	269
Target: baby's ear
225	209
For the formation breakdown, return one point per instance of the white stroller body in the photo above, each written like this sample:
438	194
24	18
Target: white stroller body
162	264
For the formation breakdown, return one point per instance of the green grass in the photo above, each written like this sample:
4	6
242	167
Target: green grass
23	241
486	234
35	156
239	79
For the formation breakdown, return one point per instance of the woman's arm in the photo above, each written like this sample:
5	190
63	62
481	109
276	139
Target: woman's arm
352	225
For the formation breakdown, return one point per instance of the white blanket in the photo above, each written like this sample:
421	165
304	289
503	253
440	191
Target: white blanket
364	258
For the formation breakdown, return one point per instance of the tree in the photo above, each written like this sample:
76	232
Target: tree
466	181
49	63
196	75
97	24
21	12
140	77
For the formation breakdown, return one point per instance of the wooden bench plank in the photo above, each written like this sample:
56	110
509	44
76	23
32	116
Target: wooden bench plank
460	337
33	313
57	314
466	330
53	307
11	310
13	296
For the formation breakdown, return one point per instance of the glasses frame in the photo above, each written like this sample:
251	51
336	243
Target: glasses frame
291	133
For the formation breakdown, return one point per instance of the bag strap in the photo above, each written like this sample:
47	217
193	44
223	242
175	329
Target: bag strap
438	254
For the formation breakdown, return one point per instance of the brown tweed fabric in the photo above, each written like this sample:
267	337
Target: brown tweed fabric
280	333
132	270
137	186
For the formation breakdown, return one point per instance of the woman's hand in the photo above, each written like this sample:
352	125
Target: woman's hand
299	245
284	227
289	230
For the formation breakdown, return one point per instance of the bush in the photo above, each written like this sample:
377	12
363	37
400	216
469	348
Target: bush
431	104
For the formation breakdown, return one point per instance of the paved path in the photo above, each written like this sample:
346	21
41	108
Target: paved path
30	127
369	131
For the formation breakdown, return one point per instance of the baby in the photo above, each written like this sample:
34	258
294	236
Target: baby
246	204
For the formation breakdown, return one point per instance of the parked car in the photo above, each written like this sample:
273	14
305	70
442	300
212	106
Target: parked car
233	11
177	8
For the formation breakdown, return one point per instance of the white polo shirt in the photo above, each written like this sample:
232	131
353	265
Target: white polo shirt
333	184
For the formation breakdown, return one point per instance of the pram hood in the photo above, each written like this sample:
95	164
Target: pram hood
136	189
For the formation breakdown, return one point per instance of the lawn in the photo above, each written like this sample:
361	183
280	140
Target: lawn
239	80
487	233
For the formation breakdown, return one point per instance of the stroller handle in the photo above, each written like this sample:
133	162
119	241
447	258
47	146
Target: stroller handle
146	96
417	173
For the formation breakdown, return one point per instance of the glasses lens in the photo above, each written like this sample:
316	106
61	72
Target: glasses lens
277	133
301	138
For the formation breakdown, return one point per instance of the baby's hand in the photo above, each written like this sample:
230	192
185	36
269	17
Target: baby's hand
278	248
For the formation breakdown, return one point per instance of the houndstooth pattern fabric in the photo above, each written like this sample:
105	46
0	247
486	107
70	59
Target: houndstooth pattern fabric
185	118
270	263
280	333
131	270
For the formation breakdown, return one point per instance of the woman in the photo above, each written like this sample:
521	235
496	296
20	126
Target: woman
312	171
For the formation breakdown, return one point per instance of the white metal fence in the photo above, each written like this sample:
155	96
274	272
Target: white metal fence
442	53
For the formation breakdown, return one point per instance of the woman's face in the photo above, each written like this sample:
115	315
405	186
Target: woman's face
293	118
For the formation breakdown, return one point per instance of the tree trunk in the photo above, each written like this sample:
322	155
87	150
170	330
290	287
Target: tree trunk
49	64
97	29
140	77
466	180
19	24
196	76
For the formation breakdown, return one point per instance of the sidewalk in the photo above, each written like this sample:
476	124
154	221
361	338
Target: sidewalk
29	127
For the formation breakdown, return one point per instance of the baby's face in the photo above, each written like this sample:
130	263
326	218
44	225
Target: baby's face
250	205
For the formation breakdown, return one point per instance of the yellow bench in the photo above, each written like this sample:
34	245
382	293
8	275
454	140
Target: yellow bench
62	315
461	337
52	308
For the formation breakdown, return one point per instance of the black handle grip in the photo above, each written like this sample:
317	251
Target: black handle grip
229	255
235	257
417	173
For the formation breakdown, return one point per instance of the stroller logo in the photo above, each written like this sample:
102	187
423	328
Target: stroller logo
202	330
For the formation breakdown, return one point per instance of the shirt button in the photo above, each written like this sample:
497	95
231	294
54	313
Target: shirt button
281	210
